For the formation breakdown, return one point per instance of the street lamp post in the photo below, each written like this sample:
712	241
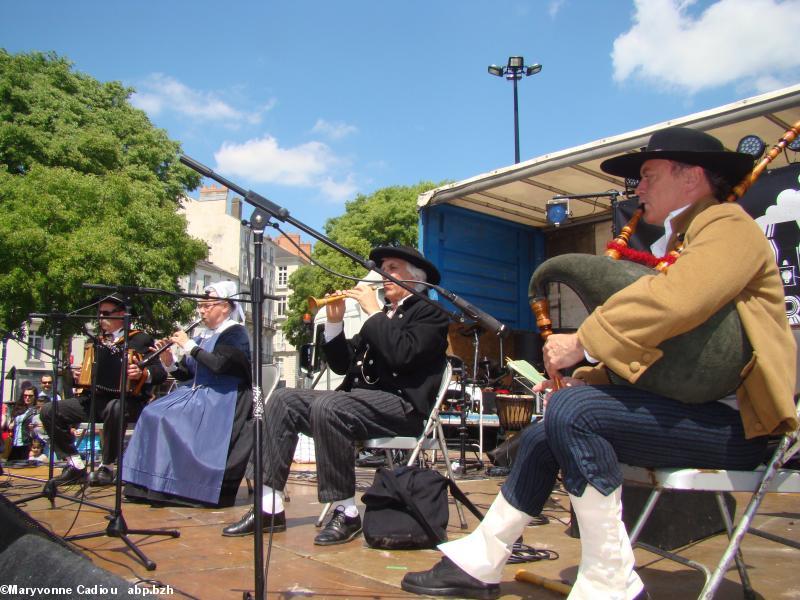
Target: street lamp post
514	71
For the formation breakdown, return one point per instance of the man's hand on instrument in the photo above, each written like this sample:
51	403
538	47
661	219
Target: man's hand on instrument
562	350
335	310
547	387
134	372
366	297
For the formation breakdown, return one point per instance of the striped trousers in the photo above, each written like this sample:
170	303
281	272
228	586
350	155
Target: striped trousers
588	430
335	419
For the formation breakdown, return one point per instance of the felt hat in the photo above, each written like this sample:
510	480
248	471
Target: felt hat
685	145
410	255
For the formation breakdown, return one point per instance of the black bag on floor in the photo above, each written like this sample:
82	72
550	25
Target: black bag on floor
407	508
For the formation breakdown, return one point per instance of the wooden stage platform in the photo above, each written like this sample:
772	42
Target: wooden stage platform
203	564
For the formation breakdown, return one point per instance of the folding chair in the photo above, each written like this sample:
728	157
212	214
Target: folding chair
763	480
431	438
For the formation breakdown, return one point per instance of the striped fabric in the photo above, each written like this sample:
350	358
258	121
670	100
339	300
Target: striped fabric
589	430
335	419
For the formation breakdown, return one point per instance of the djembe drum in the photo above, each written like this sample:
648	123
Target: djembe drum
514	411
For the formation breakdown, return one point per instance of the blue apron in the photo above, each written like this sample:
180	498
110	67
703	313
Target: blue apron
180	444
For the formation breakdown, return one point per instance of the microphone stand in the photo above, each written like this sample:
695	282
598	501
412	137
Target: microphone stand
48	491
281	214
117	527
268	207
257	222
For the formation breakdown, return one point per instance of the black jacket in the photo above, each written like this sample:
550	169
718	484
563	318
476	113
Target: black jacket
404	355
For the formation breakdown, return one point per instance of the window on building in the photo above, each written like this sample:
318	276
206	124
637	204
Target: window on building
280	306
206	281
35	346
283	275
279	363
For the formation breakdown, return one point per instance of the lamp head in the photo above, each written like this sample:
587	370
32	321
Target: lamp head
557	211
752	145
515	62
495	70
533	69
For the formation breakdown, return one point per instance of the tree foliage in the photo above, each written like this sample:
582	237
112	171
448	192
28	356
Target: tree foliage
88	192
386	217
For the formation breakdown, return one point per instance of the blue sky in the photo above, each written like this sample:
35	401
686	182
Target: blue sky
312	102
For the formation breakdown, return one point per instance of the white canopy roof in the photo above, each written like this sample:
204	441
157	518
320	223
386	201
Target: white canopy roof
520	192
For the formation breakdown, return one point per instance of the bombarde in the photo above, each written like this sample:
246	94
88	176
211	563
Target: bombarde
314	304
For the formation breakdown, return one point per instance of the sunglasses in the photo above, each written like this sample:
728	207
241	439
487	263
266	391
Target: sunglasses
27	395
108	313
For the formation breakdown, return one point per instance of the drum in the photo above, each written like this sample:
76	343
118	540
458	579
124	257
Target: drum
514	411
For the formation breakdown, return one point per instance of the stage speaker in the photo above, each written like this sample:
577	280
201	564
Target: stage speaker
35	563
679	518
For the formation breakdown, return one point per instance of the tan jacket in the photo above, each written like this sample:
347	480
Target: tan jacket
726	257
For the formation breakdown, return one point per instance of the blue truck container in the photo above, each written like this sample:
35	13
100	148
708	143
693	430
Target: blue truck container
485	260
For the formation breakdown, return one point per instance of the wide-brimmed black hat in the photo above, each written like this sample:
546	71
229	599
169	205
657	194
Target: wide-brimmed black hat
685	145
411	255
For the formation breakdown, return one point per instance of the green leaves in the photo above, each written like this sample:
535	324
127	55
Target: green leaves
388	216
88	192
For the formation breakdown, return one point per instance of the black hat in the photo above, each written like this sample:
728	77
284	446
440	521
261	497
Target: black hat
115	298
685	145
411	255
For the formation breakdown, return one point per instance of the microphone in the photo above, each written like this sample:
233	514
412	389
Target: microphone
475	313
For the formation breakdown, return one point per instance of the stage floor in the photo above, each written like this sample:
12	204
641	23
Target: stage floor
203	564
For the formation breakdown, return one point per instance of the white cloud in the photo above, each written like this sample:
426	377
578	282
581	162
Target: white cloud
333	130
554	7
161	93
339	190
732	40
263	160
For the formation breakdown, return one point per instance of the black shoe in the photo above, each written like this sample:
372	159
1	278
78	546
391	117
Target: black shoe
447	579
101	477
70	475
340	529
247	524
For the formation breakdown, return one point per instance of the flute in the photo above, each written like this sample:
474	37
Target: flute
149	360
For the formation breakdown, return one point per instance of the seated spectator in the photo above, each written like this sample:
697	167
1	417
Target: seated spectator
37	453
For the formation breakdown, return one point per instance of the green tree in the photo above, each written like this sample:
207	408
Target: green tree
88	193
388	216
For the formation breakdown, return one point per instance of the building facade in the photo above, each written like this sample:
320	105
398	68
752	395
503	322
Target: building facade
290	255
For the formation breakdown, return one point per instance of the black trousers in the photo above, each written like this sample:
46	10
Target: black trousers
335	419
71	411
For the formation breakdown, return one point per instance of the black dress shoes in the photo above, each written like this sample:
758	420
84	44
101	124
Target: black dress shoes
69	476
247	524
101	477
340	529
447	579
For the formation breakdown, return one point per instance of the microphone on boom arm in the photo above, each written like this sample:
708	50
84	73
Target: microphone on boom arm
486	320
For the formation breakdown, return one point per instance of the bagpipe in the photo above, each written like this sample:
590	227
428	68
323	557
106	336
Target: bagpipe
701	365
